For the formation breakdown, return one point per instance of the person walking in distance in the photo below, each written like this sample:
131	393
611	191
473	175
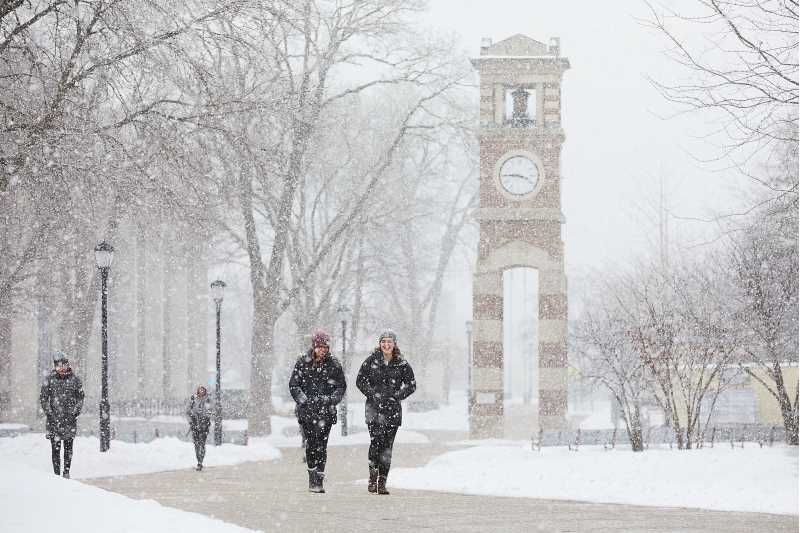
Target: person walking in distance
61	398
385	378
198	412
317	385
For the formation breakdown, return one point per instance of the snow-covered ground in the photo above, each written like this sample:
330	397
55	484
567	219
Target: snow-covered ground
37	502
33	451
749	479
170	453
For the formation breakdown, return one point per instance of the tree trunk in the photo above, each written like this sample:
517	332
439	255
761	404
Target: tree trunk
789	415
788	412
5	359
635	430
261	363
167	282
141	311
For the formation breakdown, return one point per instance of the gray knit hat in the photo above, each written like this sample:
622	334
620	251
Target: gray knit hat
388	334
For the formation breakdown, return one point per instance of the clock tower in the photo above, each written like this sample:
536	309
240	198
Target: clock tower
520	222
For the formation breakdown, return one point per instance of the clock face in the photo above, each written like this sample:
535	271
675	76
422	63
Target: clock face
519	175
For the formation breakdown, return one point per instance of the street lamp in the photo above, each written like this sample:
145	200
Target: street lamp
468	327
103	256
217	290
343	312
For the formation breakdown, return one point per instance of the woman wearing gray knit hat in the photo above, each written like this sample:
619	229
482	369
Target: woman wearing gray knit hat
386	379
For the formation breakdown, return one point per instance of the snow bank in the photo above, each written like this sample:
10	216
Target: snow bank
752	479
124	458
40	502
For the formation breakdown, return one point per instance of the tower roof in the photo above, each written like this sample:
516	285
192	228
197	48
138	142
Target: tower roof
516	45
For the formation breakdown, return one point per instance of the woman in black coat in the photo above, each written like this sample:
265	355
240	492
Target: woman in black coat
61	398
386	379
317	385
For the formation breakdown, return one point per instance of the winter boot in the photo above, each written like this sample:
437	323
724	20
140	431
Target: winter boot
382	485
315	481
320	477
66	473
372	486
199	467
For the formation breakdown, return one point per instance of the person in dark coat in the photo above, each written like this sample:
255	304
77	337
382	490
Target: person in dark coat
198	412
317	385
61	398
386	379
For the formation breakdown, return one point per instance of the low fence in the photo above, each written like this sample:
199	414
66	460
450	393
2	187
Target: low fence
234	405
725	434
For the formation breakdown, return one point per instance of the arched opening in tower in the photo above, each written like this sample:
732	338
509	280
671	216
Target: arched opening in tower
520	351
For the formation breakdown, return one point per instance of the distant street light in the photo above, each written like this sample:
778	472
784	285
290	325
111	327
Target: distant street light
468	327
343	313
217	290
104	256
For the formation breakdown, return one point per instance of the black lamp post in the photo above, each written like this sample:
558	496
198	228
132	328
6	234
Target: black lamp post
468	327
343	312
217	289
104	255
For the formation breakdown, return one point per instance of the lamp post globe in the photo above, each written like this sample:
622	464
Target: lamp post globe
343	313
217	293
104	256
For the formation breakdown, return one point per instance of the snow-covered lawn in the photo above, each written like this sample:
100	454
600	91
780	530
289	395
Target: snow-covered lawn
752	479
37	502
124	458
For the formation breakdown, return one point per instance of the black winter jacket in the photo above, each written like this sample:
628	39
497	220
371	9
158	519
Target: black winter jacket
317	388
61	398
198	412
385	386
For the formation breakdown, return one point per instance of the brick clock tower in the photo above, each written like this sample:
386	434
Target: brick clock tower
520	223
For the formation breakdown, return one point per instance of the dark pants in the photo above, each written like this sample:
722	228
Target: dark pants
55	445
316	444
199	436
380	447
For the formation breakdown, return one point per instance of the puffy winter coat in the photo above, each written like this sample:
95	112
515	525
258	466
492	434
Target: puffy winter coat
61	398
199	411
385	385
317	388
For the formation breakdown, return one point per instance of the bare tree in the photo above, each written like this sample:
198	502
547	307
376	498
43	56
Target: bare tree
685	341
743	66
765	295
295	61
607	356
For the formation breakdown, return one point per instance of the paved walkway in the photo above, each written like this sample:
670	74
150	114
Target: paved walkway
272	496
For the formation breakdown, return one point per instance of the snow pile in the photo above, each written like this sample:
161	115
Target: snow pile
124	458
750	479
35	501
